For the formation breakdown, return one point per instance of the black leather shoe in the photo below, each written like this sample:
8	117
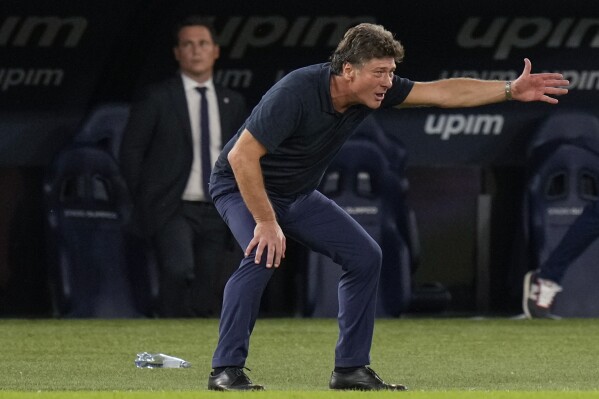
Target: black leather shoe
232	379
363	379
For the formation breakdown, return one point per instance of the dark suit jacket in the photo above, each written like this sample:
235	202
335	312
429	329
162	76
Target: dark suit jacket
156	153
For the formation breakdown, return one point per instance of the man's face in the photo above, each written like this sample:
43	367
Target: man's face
370	82
196	52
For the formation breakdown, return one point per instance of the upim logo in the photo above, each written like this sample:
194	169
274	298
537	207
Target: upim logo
239	33
527	32
47	31
450	125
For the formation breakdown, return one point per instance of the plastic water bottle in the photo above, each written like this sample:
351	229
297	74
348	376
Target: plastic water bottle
159	361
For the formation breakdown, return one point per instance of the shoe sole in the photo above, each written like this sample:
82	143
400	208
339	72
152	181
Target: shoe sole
368	389
221	389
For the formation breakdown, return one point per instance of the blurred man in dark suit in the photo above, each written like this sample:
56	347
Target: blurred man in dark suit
175	133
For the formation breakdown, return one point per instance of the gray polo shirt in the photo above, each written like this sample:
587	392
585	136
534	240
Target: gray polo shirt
296	122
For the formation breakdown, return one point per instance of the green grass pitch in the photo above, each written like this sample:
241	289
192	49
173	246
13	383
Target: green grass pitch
293	358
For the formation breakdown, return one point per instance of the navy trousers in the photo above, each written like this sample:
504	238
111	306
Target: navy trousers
324	227
579	236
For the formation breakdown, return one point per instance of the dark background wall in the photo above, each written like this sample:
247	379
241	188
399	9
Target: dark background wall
59	59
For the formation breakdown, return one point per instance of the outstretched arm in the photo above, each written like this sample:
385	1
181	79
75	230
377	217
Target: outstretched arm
465	92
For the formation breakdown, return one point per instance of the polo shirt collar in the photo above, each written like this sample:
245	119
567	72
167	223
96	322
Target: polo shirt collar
324	89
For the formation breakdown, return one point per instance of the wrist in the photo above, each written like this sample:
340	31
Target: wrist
265	220
508	90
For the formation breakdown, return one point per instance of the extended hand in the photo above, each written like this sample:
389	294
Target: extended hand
538	86
268	235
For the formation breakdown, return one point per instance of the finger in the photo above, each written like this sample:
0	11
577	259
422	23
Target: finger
527	67
270	256
556	91
278	256
251	246
557	83
284	248
548	76
259	251
549	100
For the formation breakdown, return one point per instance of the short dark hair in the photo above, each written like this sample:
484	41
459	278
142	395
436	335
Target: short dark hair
364	42
193	20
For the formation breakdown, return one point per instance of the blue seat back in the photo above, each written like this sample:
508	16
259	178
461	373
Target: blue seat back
98	269
105	126
363	181
87	208
563	178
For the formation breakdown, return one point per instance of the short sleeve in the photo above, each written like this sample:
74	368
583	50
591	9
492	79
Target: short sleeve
275	118
398	92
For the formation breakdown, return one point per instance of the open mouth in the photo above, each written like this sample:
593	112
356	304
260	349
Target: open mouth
379	96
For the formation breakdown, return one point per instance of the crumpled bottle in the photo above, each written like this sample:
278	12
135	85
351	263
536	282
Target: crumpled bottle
159	360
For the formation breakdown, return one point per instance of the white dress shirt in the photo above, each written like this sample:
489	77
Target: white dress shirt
193	190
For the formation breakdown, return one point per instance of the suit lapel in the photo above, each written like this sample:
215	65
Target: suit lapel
224	105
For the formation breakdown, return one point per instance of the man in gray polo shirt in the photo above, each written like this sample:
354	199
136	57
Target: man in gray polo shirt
264	186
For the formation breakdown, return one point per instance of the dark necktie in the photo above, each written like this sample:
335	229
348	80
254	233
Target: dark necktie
204	140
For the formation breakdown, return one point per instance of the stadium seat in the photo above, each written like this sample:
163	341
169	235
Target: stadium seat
104	126
371	188
97	268
562	178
